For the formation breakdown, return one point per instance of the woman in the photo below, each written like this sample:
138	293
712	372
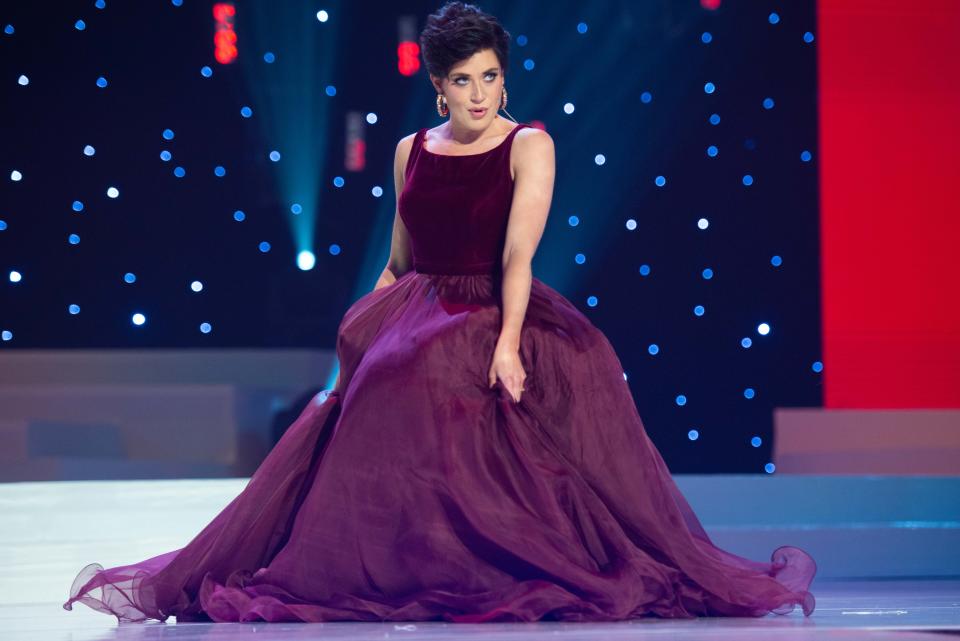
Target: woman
481	457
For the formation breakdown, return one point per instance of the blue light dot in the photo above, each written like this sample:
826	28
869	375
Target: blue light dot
774	18
205	328
196	286
768	103
699	310
706	37
77	205
138	319
746	342
521	40
101	82
763	329
168	134
805	156
74	239
528	64
709	87
338	181
631	224
268	57
80	25
693	435
100	4
646	97
179	172
74	309
776	261
330	90
6	335
88	150
707	273
592	301
334	249
749	393
599	159
653	349
206	71
239	216
264	247
377	191
246	112
15	276
681	400
573	221
275	155
712	151
769	468
580	259
808	37
219	171
747	180
130	277
714	119
296	208
8	30
3	225
817	366
581	27
176	3
660	181
644	270
165	155
756	441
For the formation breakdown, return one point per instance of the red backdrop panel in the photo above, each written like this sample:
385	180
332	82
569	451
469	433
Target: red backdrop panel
889	81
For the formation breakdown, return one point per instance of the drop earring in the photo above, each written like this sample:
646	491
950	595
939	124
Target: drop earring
503	98
442	108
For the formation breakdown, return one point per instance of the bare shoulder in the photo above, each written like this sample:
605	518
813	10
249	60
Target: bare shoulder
405	144
401	156
531	146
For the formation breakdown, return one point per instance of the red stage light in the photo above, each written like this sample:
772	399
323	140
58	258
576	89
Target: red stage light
224	37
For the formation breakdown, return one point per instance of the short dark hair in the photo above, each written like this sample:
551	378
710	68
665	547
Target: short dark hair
457	31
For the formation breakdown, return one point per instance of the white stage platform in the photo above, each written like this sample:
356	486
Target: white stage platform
50	530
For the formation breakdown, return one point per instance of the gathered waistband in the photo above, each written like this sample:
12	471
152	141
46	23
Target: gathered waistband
485	268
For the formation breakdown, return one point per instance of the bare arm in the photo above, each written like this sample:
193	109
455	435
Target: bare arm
401	259
534	156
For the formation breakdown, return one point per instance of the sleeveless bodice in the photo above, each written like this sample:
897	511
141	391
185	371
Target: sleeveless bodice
456	208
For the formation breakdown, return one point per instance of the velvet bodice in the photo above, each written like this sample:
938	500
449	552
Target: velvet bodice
456	208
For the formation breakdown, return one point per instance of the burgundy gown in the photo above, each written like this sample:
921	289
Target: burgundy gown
413	491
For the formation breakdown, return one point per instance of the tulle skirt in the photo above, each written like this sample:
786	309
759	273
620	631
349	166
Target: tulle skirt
413	491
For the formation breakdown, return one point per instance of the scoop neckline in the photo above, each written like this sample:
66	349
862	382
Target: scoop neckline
498	145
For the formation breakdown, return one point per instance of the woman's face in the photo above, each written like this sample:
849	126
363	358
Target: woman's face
473	84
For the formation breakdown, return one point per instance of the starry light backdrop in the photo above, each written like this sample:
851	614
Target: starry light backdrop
219	175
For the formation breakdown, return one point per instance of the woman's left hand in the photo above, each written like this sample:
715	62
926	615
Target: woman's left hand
507	367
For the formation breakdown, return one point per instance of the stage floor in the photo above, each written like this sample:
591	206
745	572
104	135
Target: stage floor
849	610
50	530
